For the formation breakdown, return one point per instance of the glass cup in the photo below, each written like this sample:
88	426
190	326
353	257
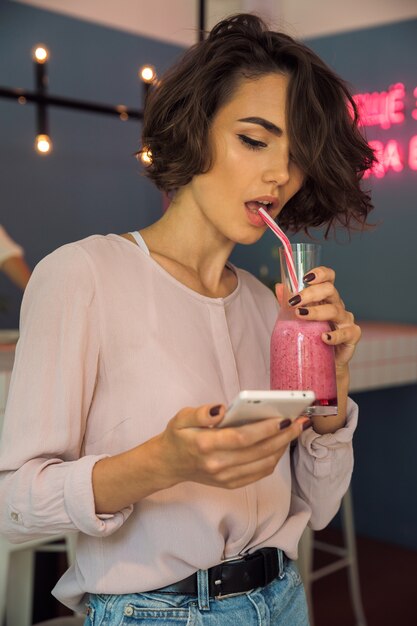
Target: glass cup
300	360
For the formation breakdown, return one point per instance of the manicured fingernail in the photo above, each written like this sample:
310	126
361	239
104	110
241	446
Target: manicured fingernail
307	424
284	424
302	311
215	410
294	300
309	277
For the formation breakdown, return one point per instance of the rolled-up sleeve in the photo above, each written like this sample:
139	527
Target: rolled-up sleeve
45	482
323	466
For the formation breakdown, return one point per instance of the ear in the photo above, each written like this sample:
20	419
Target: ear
279	291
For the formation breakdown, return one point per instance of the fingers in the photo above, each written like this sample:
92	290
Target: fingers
347	335
316	293
320	289
257	436
321	301
228	461
225	457
205	416
320	275
325	312
320	282
345	331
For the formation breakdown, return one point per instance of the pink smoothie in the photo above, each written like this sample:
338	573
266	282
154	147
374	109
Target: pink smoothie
301	360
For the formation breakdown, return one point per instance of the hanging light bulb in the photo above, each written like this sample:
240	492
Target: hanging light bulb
146	156
123	115
43	144
147	74
40	54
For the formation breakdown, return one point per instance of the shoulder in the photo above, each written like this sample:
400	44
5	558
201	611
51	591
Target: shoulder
91	252
68	271
68	259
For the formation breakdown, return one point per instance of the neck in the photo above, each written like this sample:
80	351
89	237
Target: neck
184	236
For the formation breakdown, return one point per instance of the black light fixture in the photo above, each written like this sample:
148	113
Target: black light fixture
201	20
40	55
42	99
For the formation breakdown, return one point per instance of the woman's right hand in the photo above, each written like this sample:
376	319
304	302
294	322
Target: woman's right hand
194	450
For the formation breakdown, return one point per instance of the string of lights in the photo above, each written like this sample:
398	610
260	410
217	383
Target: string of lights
42	99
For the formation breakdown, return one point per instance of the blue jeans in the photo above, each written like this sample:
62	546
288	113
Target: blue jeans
281	603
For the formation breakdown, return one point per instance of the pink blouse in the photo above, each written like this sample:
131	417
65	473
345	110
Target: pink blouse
111	347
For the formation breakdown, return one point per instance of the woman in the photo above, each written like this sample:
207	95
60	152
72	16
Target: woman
132	346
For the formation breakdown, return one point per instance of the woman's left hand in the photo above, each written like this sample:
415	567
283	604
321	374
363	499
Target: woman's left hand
321	302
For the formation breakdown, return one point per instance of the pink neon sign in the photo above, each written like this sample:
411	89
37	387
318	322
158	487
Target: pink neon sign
383	108
412	154
386	109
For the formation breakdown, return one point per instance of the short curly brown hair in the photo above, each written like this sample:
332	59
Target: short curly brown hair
322	120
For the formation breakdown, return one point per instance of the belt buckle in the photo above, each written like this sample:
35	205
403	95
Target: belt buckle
230	559
238	557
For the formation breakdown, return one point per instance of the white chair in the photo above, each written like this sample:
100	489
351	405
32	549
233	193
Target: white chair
17	563
347	558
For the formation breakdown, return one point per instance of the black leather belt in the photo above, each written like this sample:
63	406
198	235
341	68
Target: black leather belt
234	576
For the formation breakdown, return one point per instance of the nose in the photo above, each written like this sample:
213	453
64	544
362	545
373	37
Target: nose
277	169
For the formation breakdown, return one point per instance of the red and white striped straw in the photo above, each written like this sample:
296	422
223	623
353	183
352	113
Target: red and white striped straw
287	247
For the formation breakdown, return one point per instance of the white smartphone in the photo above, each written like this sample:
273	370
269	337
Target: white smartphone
250	406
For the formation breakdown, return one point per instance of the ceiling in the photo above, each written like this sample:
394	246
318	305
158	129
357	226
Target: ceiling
175	21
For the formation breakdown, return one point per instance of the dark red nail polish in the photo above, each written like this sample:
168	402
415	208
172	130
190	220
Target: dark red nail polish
294	300
303	311
284	424
309	277
307	424
215	410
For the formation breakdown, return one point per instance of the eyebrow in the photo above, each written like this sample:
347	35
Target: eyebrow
264	123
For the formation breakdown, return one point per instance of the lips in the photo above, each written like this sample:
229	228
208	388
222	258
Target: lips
269	203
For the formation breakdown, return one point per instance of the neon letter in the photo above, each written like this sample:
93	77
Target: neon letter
412	155
394	106
391	158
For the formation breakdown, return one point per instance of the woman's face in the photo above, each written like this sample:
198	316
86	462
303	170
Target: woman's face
252	164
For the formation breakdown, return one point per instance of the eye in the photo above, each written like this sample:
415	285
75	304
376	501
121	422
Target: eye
252	144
